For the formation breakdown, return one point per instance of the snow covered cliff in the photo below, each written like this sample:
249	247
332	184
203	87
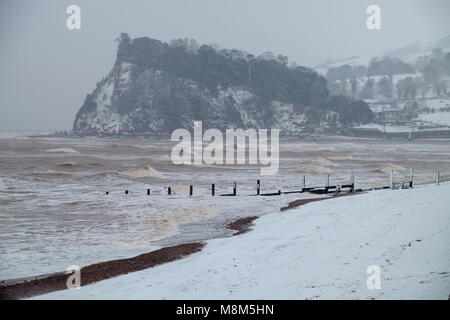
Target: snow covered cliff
155	88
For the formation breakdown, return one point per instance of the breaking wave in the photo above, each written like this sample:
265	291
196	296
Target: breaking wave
67	164
167	222
322	161
318	165
147	171
314	168
340	158
75	203
180	189
388	166
62	150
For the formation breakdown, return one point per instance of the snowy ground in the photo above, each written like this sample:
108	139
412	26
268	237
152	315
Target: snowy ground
438	118
437	104
317	251
387	128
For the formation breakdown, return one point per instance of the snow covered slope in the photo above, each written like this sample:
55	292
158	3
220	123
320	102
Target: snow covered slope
317	251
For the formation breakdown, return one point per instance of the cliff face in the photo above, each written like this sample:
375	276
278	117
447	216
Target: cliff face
142	95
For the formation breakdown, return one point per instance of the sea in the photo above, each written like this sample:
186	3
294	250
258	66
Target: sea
63	201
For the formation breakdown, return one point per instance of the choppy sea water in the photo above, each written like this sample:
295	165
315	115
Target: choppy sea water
54	211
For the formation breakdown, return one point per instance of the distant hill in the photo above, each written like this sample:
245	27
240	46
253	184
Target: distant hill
410	52
443	43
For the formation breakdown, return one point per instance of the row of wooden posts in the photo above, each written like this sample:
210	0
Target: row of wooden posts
403	184
326	189
318	190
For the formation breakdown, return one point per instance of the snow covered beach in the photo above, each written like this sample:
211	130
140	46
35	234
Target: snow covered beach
318	251
55	213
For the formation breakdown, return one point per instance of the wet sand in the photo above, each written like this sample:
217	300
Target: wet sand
242	225
99	271
300	202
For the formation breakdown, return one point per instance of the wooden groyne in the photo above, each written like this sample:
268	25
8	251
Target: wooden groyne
325	189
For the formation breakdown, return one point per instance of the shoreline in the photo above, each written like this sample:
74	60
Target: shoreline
42	284
322	252
350	133
99	271
297	203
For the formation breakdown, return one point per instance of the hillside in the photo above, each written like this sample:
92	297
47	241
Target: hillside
156	87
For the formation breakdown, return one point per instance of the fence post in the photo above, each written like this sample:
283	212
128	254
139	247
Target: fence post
169	191
126	191
191	190
234	188
213	189
327	181
258	187
411	174
304	182
148	192
391	179
437	178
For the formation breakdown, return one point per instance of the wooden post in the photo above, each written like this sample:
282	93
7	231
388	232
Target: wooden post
234	188
391	179
352	182
258	187
437	178
191	190
126	191
411	174
279	192
213	189
327	181
148	192
169	191
304	182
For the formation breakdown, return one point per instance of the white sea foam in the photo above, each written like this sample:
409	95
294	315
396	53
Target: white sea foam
180	189
62	150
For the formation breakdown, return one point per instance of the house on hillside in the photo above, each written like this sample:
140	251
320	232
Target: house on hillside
388	111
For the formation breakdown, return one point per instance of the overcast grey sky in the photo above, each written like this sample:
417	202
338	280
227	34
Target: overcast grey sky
47	70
